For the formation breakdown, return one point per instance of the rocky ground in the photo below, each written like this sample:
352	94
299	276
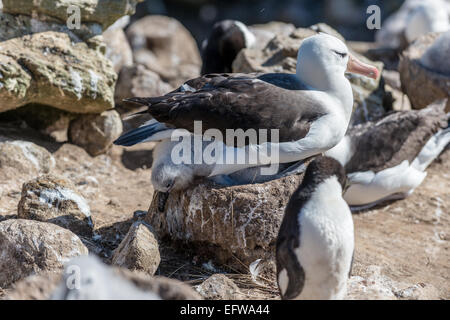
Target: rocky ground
402	249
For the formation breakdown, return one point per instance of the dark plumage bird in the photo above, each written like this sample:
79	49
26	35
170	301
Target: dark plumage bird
310	110
386	159
227	38
314	249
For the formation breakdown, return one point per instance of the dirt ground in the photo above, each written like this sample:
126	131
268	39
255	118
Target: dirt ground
402	248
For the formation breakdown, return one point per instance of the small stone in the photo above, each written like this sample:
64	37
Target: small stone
418	292
26	157
28	247
138	250
95	132
54	200
219	287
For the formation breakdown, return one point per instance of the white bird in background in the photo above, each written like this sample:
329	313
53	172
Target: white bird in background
414	19
315	243
311	109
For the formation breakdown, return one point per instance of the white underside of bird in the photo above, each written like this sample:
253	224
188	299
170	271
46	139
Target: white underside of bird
326	244
368	188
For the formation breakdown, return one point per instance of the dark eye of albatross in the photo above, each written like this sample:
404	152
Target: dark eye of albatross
340	54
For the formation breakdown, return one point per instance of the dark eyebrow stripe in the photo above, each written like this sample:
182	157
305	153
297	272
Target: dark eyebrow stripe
340	53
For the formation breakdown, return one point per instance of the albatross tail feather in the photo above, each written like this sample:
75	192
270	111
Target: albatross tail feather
145	101
137	100
145	133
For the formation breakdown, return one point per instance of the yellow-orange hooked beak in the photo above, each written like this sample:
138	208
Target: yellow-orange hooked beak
359	67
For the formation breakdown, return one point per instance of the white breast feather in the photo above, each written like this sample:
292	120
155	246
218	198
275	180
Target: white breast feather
326	243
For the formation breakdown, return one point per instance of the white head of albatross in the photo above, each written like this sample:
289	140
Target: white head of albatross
323	60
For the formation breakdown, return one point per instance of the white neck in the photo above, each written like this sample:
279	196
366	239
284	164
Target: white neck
335	84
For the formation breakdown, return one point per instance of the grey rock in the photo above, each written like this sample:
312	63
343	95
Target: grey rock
422	84
103	12
138	250
96	132
49	68
25	156
164	46
28	247
219	287
118	49
54	200
138	81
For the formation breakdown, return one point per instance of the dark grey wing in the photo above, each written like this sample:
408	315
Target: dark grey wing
239	101
396	137
287	241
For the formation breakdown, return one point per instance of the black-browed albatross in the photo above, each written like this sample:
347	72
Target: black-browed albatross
311	109
386	159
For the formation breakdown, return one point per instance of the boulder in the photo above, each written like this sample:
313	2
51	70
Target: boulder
280	55
102	12
118	49
219	287
166	47
53	200
49	68
423	84
95	132
233	226
138	81
266	32
26	157
28	247
138	250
